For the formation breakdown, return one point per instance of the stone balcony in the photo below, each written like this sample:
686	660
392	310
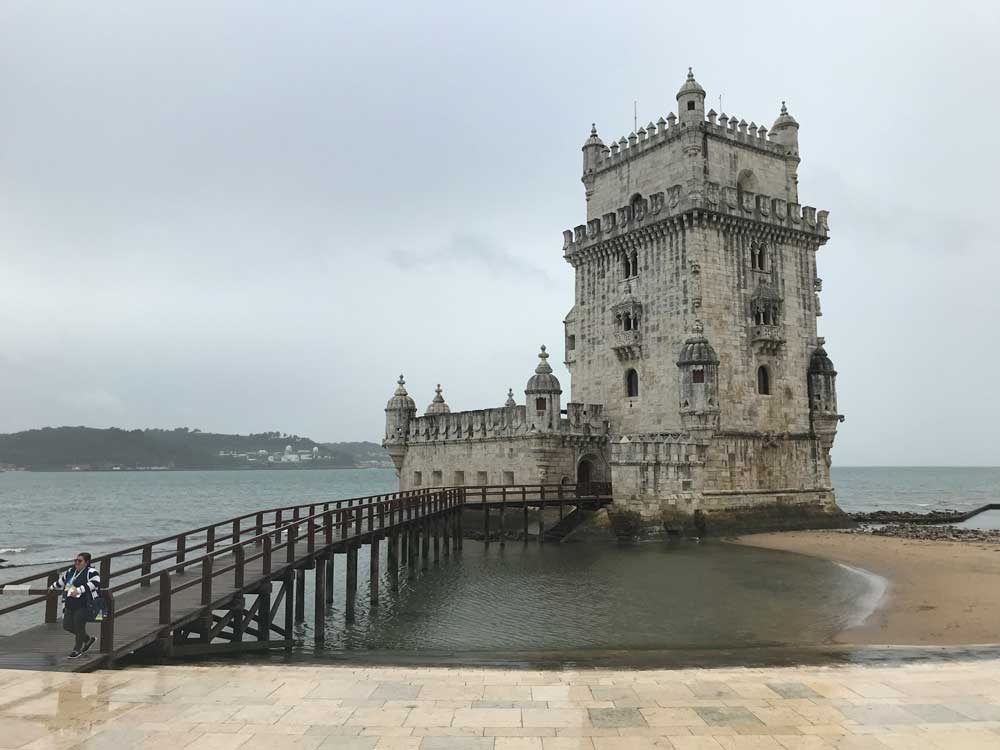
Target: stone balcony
767	338
627	345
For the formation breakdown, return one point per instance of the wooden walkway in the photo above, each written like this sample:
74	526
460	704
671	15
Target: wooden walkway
252	568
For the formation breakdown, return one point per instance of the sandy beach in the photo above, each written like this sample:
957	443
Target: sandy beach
939	593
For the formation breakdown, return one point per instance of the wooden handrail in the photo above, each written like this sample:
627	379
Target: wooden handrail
325	517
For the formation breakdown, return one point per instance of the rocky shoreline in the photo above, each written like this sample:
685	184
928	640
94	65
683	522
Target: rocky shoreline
926	532
936	526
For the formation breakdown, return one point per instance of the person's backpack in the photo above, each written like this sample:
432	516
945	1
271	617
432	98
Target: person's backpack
97	606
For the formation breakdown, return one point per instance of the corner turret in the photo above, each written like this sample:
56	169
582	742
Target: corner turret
593	149
398	412
542	396
786	132
437	405
698	364
822	387
691	102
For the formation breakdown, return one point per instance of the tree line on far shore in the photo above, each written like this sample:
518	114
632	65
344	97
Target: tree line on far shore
67	448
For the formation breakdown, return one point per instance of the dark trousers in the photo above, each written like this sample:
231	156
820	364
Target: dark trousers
75	622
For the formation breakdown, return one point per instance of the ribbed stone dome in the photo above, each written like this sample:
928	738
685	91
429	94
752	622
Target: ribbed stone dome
820	363
697	351
438	406
401	400
690	86
784	120
543	381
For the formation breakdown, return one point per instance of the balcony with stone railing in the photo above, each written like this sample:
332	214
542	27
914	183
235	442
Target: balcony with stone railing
767	338
627	345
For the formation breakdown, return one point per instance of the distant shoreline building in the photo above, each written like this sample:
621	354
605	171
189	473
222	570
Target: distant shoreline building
700	388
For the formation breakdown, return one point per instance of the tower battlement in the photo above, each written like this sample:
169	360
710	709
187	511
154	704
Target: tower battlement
662	209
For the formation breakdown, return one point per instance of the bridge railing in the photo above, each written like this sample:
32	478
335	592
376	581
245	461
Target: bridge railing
266	529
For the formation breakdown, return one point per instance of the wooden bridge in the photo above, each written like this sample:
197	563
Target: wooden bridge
220	588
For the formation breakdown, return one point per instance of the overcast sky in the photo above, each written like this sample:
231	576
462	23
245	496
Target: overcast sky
252	215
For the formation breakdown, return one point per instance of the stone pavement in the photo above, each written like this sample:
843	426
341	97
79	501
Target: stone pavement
928	705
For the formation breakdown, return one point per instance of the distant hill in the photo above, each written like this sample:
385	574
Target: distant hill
67	448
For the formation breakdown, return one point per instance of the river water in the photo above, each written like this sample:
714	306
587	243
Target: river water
520	597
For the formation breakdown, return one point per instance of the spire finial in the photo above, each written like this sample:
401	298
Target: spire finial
784	109
690	74
543	365
438	389
510	398
697	327
593	128
401	381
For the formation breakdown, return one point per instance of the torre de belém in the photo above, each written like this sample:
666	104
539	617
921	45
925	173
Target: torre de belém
700	389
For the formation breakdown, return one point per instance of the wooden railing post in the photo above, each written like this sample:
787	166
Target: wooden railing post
206	581
239	557
371	518
210	539
236	532
181	546
328	526
293	537
258	526
107	644
164	598
147	563
52	602
358	516
310	536
265	561
277	525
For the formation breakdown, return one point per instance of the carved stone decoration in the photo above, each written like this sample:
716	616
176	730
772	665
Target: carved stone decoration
627	316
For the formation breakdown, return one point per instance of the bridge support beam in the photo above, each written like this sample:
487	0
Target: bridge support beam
373	572
486	524
436	526
300	595
289	605
446	533
319	603
525	508
352	582
459	528
264	613
425	552
328	578
392	550
411	553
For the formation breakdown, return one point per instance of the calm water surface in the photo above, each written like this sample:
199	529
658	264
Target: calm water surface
522	597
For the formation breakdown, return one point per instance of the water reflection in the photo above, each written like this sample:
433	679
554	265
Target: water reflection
595	596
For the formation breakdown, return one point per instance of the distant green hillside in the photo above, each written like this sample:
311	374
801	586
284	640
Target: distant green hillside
56	448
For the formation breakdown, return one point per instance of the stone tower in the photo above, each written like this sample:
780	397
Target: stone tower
694	319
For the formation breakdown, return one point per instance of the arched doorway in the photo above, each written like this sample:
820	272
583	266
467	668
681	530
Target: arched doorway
585	472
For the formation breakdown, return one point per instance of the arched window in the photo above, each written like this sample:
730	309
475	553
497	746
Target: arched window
761	257
763	381
626	266
540	405
632	384
635	263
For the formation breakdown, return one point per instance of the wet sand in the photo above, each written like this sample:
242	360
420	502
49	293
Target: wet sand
939	593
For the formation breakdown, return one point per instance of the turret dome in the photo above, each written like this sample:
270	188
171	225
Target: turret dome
691	86
438	406
784	120
820	363
697	351
594	139
543	381
400	400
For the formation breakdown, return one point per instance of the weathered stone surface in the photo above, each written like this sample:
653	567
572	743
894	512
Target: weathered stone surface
699	384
